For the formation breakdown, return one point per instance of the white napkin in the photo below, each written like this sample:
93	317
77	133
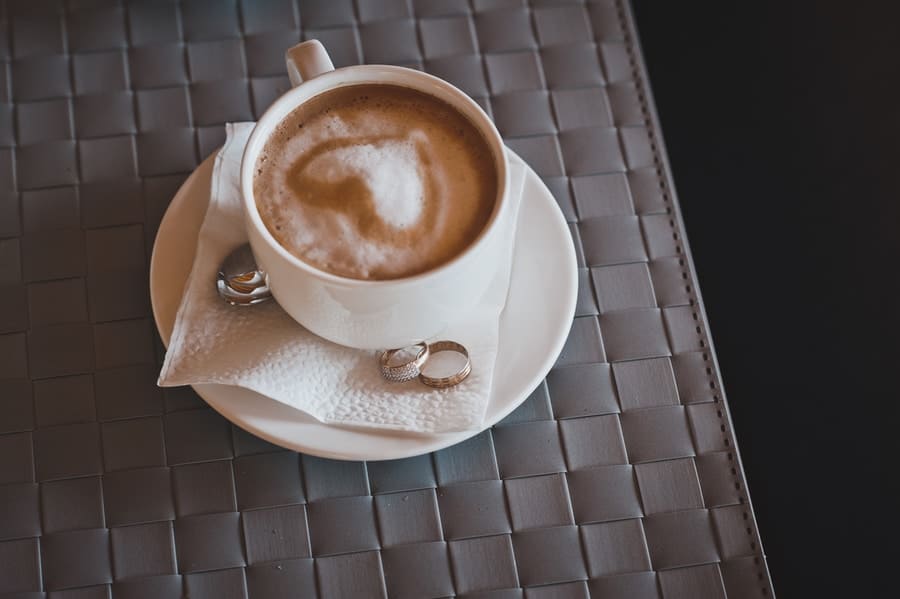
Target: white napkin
263	349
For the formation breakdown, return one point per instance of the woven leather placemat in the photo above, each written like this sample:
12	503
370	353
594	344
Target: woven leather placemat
619	476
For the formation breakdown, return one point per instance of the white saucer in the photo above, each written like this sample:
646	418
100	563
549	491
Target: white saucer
533	328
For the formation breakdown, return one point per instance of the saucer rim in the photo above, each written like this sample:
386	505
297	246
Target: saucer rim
417	443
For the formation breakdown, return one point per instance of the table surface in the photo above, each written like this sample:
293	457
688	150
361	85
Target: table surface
619	476
782	125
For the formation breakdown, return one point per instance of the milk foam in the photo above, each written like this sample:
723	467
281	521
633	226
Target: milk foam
407	215
391	170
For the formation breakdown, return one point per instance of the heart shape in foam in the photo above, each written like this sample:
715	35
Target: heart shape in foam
390	170
375	182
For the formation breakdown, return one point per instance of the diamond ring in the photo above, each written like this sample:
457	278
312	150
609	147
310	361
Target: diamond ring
407	371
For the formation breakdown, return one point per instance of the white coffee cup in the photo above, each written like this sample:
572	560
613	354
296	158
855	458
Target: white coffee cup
373	314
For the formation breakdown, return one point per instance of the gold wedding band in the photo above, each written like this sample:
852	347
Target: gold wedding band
453	379
406	371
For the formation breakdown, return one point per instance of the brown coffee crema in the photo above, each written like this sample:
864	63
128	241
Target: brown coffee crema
375	181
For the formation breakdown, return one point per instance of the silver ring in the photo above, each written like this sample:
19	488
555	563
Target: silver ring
408	370
455	378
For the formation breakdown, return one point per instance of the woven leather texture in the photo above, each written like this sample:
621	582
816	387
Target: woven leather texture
618	477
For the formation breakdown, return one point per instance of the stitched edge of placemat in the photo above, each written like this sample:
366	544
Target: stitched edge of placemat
686	262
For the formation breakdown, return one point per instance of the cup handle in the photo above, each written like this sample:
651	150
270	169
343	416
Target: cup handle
307	60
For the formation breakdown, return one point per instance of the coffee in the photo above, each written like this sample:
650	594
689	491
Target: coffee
375	181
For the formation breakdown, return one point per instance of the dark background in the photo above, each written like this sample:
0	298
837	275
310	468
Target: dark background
782	124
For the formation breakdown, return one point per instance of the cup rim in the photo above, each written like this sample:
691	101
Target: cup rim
361	75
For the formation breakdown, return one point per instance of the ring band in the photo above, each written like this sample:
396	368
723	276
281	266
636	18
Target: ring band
406	371
453	379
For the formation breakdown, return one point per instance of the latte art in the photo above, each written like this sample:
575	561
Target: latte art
390	170
375	182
